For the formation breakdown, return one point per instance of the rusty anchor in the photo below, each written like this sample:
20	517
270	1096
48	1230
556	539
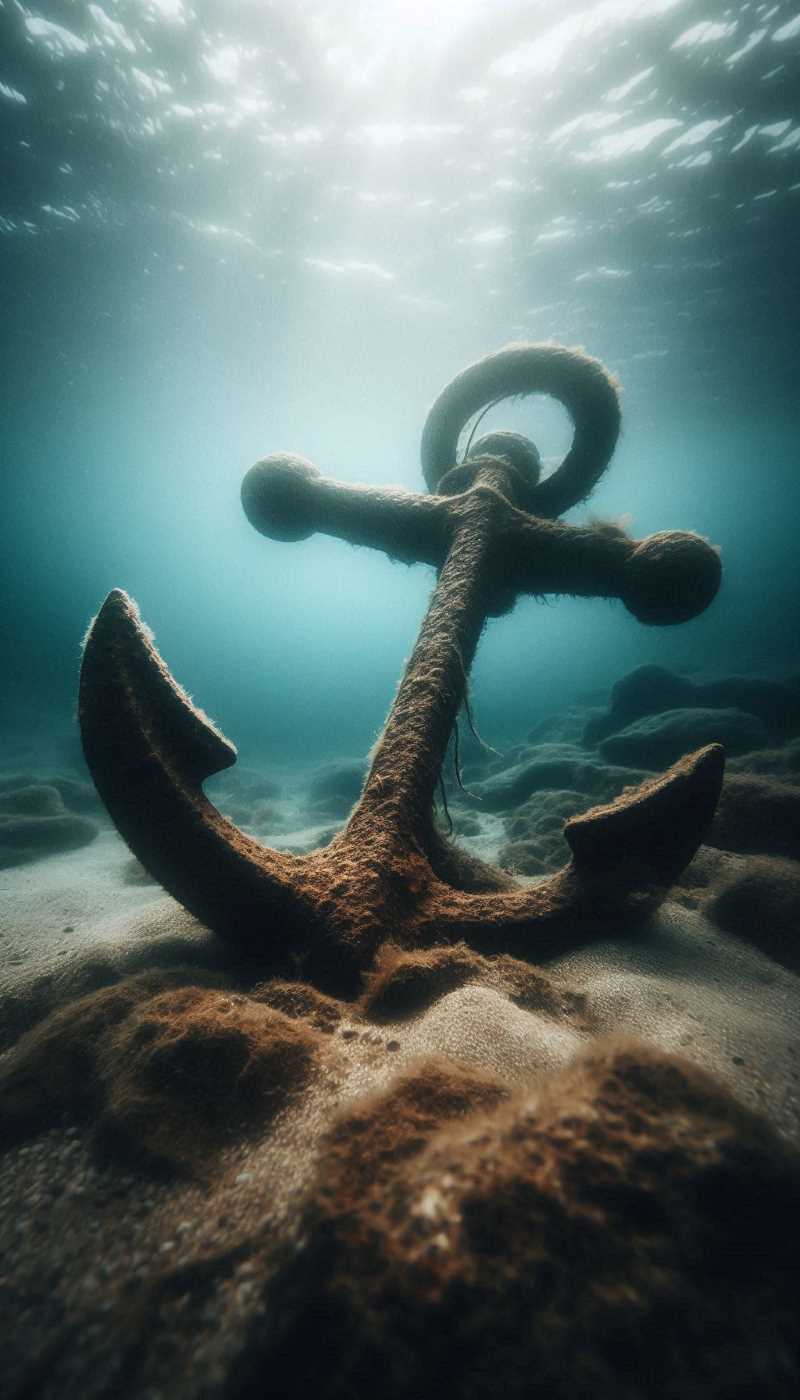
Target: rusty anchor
490	527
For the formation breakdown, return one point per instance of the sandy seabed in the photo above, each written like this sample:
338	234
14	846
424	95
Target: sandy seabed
218	1184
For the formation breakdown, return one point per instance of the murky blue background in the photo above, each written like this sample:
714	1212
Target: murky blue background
228	229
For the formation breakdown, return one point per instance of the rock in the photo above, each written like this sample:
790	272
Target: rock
783	763
553	766
527	858
566	726
757	816
758	899
652	689
755	897
537	844
28	838
336	786
501	762
476	770
549	765
78	796
644	691
33	800
657	740
75	794
777	704
34	821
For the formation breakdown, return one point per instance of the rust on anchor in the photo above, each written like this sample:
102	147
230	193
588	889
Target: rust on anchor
489	525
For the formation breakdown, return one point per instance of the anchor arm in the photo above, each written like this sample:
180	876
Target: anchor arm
625	857
286	498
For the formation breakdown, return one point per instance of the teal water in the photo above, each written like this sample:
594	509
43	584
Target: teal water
227	230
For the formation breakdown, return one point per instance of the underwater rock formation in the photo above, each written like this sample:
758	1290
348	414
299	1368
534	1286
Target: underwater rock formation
758	898
657	740
552	766
758	815
35	822
536	831
648	690
335	788
782	762
77	795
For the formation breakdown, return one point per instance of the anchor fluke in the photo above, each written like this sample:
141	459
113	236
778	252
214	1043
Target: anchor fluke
123	677
149	747
650	832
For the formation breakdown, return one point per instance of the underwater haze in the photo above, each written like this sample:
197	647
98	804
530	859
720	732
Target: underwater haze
232	229
300	1097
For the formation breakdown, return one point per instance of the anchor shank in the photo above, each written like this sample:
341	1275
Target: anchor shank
410	753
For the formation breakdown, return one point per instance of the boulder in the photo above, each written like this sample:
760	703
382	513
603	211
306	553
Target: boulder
335	787
657	740
537	844
644	691
28	838
553	766
783	763
34	822
652	689
757	815
758	899
76	795
774	702
32	800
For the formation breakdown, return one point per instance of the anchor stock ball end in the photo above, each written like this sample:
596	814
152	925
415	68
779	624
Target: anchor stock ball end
671	577
278	496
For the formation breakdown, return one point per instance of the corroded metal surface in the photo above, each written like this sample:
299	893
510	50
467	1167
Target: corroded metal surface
491	531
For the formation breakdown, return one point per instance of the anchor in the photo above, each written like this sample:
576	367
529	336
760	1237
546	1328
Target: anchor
490	526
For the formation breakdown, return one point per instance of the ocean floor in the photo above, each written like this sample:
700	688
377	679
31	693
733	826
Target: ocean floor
215	1183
